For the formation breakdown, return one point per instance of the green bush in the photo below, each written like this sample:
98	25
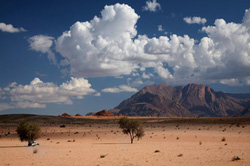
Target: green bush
235	158
131	127
157	151
180	155
103	156
28	132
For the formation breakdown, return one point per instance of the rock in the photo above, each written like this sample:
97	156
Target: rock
104	113
65	115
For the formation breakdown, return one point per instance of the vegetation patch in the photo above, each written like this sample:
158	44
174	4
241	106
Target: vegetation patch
180	155
103	156
28	132
235	158
131	127
157	151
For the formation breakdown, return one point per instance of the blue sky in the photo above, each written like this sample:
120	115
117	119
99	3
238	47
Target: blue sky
83	56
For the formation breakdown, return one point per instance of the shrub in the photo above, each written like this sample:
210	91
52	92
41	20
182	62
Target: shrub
102	156
223	139
180	155
131	127
62	126
235	158
28	132
157	151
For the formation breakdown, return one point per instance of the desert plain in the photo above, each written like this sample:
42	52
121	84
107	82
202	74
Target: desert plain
95	141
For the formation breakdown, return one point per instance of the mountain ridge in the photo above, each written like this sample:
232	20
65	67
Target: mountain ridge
192	100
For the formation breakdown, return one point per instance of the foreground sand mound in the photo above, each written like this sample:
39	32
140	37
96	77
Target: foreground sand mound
104	113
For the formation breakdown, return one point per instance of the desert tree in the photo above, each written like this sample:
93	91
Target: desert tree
28	132
131	127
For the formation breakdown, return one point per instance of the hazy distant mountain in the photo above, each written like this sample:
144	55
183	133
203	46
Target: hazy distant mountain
184	101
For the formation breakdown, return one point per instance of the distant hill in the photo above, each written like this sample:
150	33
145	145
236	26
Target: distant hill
104	113
14	119
191	100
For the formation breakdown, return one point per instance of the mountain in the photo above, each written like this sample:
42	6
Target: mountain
191	100
245	112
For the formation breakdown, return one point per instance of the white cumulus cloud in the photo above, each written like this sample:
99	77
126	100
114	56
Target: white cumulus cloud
222	56
160	28
42	43
102	46
152	6
108	46
38	93
98	94
119	89
195	20
139	82
20	105
9	28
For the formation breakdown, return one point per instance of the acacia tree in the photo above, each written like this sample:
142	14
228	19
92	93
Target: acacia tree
28	132
131	127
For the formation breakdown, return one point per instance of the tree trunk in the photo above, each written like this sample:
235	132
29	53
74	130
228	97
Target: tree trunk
131	137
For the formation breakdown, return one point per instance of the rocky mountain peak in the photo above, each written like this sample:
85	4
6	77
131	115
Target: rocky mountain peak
175	101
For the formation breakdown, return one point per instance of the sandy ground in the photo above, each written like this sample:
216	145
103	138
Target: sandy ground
184	144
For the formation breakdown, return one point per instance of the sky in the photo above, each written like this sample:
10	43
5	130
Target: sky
85	56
